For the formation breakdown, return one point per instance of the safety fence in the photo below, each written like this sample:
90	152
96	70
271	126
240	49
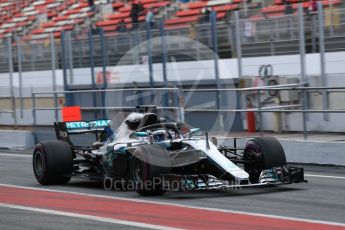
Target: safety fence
181	108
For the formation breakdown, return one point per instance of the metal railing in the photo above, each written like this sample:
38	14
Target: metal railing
181	109
95	107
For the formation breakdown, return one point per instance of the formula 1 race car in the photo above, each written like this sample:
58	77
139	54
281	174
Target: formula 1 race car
157	156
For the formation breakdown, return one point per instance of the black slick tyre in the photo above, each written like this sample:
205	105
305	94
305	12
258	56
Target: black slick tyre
145	174
52	162
263	153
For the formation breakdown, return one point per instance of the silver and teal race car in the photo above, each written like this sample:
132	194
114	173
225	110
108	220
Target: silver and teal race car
152	156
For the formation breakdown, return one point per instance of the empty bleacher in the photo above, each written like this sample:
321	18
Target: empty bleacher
122	14
271	31
194	12
15	16
20	17
278	9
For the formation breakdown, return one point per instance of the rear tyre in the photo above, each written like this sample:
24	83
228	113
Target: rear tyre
145	175
265	153
52	162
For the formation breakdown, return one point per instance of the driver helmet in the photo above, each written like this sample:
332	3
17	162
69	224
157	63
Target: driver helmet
159	135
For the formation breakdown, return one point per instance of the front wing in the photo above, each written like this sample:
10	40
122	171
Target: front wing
275	176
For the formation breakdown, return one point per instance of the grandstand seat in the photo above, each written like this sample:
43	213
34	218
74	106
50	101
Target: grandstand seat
181	20
122	13
69	13
272	9
184	13
21	16
117	5
14	20
193	12
277	10
280	8
197	5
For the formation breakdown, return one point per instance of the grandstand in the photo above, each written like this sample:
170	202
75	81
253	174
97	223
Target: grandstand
266	28
35	19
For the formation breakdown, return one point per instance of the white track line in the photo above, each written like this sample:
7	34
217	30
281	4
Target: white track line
15	155
324	176
283	139
88	217
183	206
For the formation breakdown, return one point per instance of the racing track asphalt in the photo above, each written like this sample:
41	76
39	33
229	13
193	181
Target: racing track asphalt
323	198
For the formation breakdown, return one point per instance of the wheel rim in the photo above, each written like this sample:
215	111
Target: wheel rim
138	170
253	153
38	163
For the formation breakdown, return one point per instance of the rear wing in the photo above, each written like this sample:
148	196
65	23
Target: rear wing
64	129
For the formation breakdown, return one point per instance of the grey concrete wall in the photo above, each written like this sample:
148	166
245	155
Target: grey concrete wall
16	139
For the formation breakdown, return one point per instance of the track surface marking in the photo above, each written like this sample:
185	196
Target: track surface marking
88	217
173	216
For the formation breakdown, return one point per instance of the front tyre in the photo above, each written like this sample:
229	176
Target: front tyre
145	175
52	162
263	153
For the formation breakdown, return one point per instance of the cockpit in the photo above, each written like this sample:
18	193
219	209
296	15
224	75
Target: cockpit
160	136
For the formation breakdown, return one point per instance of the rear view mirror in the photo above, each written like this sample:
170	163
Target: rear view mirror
194	131
214	140
140	134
